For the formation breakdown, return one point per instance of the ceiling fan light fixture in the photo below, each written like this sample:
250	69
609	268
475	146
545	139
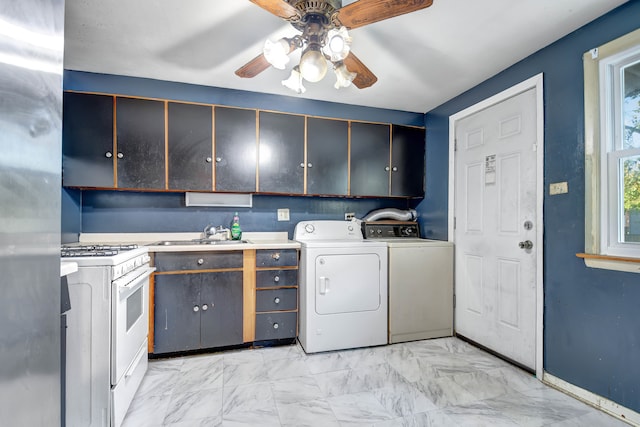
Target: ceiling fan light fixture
344	77
294	82
277	53
313	64
337	44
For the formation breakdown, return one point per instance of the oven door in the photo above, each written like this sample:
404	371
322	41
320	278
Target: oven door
130	318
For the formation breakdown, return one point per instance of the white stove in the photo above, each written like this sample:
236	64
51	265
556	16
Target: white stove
107	331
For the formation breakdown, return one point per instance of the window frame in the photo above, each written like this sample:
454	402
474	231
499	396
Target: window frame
601	234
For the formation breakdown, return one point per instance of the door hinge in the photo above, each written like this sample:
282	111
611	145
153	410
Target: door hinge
454	222
454	300
455	145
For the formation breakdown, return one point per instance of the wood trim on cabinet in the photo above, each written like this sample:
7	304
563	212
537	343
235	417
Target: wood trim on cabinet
349	158
249	295
257	150
304	164
115	144
203	270
390	158
166	145
213	148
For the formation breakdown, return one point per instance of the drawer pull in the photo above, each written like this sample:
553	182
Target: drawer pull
276	326
276	256
196	309
200	261
276	279
276	300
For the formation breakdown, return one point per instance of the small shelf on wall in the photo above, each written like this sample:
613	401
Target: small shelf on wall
218	200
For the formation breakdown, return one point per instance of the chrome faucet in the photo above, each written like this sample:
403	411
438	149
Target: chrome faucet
213	232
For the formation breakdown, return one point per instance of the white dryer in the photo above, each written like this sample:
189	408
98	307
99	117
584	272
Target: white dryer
343	287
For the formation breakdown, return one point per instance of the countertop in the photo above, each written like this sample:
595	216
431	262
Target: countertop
255	240
67	268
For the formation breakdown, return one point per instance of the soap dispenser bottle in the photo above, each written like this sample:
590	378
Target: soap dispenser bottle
236	231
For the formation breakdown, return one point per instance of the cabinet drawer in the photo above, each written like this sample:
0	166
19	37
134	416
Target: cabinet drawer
276	299
272	326
276	258
172	261
272	278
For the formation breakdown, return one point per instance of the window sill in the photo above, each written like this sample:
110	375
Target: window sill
606	262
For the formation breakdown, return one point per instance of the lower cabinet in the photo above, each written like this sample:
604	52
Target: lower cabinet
197	310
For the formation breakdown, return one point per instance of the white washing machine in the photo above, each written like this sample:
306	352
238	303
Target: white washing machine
343	287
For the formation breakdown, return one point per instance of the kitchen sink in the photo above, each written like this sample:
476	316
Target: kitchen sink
198	242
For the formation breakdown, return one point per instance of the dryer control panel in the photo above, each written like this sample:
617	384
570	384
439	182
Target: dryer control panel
391	230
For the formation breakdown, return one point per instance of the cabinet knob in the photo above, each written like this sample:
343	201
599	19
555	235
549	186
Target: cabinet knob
302	164
120	155
276	300
309	165
218	159
200	261
196	309
276	256
209	159
276	326
205	307
108	155
386	168
276	279
395	169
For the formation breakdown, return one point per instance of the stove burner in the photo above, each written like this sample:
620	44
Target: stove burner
94	250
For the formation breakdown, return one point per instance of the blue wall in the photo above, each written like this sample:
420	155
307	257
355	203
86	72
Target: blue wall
90	211
592	320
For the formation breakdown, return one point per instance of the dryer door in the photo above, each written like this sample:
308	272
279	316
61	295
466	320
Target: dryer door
347	283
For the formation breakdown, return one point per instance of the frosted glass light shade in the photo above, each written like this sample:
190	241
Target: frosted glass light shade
338	44
313	65
294	82
344	77
277	53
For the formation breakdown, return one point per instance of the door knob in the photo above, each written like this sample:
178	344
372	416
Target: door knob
527	244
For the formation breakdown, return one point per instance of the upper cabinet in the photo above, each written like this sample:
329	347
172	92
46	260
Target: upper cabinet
120	142
140	143
327	165
235	149
190	147
370	156
407	161
281	153
87	135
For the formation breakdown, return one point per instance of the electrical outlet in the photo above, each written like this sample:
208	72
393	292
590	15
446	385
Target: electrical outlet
348	216
283	214
558	188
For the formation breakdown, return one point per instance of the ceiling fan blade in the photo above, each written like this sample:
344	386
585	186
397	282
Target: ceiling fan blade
279	8
365	77
364	12
253	67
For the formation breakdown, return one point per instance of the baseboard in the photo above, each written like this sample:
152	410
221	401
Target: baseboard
610	407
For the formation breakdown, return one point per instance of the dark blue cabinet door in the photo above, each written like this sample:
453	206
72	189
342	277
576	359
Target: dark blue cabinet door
190	146
176	323
87	140
370	157
327	156
140	143
221	309
281	153
408	161
235	149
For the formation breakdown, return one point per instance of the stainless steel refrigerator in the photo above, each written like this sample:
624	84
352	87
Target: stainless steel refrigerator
31	47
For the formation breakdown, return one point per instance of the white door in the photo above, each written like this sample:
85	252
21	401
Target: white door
495	227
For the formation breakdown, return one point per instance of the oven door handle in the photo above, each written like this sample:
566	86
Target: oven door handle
129	287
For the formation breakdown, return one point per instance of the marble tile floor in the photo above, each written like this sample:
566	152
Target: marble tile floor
440	382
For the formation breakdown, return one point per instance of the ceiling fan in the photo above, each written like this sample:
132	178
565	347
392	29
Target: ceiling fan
324	26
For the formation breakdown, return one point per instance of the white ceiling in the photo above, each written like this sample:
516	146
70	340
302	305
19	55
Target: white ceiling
421	59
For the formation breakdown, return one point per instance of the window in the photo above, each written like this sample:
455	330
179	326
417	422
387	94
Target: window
612	148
